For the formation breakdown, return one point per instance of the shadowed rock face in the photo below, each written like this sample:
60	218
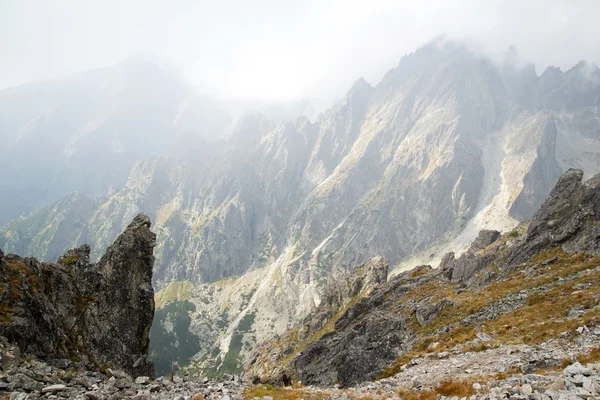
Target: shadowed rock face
99	314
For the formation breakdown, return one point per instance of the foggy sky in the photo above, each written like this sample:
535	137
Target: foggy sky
281	49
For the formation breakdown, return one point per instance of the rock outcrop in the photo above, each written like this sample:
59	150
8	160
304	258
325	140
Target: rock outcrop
97	314
268	360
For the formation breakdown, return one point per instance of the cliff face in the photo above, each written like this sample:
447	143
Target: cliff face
99	314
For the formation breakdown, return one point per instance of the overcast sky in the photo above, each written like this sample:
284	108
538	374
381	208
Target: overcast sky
281	49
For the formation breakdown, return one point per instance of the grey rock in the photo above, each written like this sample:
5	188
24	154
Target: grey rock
526	389
426	311
483	240
484	337
142	380
100	312
577	369
54	388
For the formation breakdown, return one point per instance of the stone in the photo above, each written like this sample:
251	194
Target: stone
142	380
526	389
577	369
484	239
54	388
22	381
484	337
549	261
122	383
588	385
154	388
426	311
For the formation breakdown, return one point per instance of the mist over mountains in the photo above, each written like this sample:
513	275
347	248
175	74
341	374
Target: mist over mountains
448	143
444	137
85	133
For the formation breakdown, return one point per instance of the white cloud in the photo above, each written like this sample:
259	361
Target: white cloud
274	49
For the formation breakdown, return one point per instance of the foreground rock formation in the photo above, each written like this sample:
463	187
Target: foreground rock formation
97	315
507	371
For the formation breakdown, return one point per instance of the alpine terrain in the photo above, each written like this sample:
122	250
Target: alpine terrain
256	228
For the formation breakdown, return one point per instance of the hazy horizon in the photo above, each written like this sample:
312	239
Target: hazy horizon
280	52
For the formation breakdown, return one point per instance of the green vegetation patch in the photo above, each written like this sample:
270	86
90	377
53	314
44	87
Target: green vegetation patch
176	291
176	345
232	362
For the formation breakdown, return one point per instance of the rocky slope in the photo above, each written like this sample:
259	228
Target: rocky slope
447	144
97	315
527	287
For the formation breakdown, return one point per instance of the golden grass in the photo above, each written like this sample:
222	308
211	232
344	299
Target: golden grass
416	394
448	388
453	387
541	318
282	393
299	392
587	358
418	272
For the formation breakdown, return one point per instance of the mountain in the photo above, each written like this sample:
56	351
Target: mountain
503	290
252	228
85	133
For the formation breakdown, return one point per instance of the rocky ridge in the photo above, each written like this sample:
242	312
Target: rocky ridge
96	315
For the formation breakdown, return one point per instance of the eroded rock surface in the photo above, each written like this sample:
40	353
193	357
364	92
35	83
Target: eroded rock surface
97	314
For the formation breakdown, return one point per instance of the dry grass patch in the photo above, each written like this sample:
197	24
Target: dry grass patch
282	393
591	357
419	271
452	387
416	394
541	318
